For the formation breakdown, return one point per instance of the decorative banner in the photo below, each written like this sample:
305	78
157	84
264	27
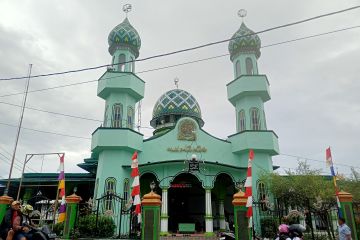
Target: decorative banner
329	163
61	189
248	189
135	193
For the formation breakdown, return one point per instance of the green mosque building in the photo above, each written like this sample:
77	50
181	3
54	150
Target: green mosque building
200	196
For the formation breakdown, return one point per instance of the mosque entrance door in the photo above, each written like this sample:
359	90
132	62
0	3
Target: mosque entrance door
186	203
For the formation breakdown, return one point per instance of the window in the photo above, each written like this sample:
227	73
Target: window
264	120
249	66
106	115
242	126
110	188
130	117
117	116
122	60
237	68
126	189
255	121
262	195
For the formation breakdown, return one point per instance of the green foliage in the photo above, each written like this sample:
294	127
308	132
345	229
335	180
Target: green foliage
352	184
87	226
58	228
304	183
269	227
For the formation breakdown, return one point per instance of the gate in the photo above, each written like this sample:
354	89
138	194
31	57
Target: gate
318	216
120	210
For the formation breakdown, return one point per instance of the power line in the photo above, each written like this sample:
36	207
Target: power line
316	160
36	130
19	162
184	63
191	48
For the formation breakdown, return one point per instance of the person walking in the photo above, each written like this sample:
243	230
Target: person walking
344	230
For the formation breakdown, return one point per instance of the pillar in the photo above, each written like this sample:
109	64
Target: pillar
240	220
72	203
4	203
208	213
222	215
346	202
164	213
150	225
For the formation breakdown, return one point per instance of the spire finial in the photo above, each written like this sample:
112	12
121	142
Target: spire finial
242	13
176	81
127	8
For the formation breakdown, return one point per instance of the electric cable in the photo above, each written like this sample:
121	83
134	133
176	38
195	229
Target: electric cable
16	159
182	64
191	48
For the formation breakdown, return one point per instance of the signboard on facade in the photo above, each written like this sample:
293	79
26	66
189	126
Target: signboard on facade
194	166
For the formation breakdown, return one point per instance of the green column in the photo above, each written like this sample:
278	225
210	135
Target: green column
72	203
150	226
346	202
242	231
4	203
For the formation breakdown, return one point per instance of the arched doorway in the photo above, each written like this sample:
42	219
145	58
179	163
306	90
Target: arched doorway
186	202
145	180
224	189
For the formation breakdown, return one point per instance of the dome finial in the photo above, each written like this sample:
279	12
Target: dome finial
176	81
242	13
127	8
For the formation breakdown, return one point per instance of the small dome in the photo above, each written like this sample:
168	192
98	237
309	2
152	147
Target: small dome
177	102
239	44
124	35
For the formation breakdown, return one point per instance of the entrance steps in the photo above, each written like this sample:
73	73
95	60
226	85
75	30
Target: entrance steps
188	237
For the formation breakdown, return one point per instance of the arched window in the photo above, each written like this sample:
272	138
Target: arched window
130	117
110	188
237	68
117	116
126	188
249	66
106	115
255	121
242	126
122	60
262	195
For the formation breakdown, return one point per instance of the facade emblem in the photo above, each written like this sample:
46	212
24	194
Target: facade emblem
186	130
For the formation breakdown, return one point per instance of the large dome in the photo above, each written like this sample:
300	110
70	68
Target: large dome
244	41
176	102
124	35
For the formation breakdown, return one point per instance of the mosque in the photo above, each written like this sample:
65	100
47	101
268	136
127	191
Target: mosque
195	173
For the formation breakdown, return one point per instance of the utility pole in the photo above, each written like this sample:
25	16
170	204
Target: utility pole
18	131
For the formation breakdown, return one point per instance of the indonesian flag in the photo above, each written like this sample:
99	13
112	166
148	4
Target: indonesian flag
135	193
329	163
61	189
248	189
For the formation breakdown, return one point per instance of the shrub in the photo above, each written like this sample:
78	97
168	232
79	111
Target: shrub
269	227
58	228
87	226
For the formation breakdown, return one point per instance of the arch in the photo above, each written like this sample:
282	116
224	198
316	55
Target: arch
132	64
122	60
145	180
264	119
126	189
117	115
242	121
184	172
255	119
106	115
238	68
249	66
130	117
109	188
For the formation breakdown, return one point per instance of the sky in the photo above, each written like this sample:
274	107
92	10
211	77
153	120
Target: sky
314	83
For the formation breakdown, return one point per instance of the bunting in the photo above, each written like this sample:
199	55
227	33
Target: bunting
61	189
329	163
248	189
135	193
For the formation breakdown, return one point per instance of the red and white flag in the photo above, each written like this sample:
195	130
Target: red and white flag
135	193
248	189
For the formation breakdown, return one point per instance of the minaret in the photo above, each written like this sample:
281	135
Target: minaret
116	140
248	92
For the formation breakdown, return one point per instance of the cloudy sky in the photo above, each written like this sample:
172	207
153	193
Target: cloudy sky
314	83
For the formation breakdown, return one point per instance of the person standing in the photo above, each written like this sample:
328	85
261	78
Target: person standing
344	230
